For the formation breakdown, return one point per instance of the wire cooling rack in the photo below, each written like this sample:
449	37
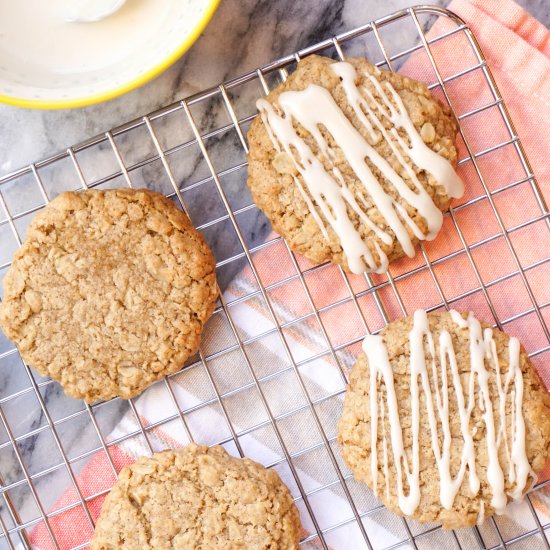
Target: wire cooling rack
196	154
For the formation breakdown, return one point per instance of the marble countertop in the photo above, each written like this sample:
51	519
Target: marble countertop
243	34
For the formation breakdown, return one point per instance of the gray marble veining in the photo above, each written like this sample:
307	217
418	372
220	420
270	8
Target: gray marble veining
243	35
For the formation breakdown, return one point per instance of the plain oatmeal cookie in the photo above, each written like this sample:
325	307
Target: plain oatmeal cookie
506	429
197	498
361	190
109	292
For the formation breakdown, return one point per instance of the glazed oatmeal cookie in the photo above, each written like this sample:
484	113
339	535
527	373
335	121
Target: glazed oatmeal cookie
352	164
445	419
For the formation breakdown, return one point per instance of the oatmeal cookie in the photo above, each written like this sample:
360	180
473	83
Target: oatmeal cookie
445	419
109	292
197	497
352	164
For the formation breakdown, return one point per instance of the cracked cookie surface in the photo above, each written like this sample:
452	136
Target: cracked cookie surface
109	292
198	497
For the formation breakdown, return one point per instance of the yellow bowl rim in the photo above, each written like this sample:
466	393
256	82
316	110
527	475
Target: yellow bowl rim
126	87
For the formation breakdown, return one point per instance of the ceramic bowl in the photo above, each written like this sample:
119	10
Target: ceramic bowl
57	64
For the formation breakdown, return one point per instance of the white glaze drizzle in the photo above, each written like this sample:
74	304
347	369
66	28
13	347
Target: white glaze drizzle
314	107
483	360
481	513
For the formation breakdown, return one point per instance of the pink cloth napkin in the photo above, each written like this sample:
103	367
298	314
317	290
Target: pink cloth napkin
517	48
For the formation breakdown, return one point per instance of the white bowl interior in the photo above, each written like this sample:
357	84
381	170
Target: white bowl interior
43	57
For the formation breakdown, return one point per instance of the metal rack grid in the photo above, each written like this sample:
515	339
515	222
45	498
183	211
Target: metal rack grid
386	292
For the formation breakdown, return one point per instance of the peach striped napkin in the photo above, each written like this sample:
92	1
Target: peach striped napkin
517	49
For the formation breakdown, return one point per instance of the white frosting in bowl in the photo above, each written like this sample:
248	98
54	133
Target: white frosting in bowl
90	11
